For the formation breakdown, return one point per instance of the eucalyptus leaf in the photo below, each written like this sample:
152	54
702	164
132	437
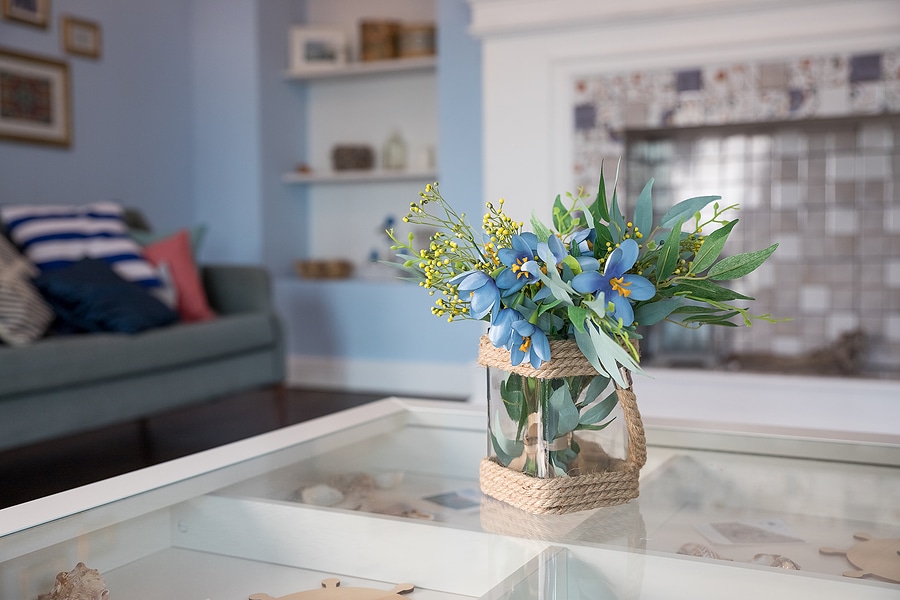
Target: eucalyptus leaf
654	312
713	319
505	449
711	248
739	265
577	315
685	209
586	345
566	414
595	388
512	396
643	210
702	289
600	427
600	410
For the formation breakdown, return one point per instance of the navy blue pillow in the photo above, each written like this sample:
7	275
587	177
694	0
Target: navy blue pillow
88	296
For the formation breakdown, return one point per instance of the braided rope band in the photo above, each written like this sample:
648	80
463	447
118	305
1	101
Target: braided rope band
558	495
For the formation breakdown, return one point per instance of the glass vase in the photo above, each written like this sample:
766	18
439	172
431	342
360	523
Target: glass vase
561	438
556	427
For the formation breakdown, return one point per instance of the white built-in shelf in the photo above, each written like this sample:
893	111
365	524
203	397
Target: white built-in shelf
365	68
359	176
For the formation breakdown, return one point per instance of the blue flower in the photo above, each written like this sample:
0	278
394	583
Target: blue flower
483	293
501	331
616	286
530	343
515	276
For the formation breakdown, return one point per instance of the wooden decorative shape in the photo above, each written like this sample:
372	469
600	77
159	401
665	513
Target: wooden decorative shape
871	556
331	590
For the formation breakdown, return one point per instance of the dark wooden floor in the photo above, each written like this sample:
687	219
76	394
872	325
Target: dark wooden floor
47	468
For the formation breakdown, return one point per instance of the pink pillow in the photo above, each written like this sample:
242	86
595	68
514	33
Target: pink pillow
176	252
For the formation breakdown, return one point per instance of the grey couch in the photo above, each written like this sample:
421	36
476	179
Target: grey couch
68	384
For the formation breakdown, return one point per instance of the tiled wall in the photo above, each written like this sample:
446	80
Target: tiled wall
826	193
809	148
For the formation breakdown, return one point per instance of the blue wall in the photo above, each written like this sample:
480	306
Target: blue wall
187	117
131	113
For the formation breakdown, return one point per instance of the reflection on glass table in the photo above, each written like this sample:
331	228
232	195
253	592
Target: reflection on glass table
388	493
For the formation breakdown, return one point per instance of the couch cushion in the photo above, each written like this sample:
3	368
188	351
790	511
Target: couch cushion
59	361
175	254
89	296
24	315
53	236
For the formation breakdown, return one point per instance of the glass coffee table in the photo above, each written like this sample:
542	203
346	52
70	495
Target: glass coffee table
387	493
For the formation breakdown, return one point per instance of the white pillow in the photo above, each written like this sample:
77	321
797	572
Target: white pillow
24	315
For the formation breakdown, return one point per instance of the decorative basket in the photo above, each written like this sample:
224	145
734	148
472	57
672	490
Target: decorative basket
595	476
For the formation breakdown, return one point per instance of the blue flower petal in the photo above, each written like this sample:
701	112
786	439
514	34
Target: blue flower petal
587	283
621	259
622	309
640	287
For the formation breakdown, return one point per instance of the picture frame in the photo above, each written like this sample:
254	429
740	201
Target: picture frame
316	49
80	37
35	99
30	12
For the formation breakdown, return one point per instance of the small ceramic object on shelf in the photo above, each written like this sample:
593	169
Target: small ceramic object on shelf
81	583
394	154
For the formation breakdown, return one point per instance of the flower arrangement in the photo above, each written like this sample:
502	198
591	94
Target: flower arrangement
593	277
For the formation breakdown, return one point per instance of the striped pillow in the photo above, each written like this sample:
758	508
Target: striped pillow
56	236
24	315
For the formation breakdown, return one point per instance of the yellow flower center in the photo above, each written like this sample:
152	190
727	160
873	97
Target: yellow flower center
618	285
526	344
517	268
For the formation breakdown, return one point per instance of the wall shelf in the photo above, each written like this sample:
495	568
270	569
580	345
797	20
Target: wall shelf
376	176
397	65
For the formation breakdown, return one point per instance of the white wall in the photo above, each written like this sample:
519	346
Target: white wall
532	51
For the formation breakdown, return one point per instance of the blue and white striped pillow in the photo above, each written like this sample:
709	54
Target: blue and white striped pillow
56	236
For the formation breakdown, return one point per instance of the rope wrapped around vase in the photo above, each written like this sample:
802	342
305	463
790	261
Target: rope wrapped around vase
559	495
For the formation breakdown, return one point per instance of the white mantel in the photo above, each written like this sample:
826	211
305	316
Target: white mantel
533	49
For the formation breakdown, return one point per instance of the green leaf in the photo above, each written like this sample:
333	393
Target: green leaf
561	219
701	289
600	410
739	265
567	415
643	210
578	315
654	312
668	253
542	232
711	248
609	353
597	385
713	319
601	427
506	449
685	210
616	220
599	209
513	397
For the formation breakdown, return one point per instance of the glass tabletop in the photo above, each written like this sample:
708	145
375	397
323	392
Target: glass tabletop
388	493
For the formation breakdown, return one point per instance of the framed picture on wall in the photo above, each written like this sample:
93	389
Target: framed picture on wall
32	12
80	37
316	48
34	99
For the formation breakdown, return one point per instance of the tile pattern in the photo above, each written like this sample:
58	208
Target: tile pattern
836	85
828	193
809	149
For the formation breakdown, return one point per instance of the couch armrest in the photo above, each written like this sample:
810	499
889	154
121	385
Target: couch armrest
237	288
